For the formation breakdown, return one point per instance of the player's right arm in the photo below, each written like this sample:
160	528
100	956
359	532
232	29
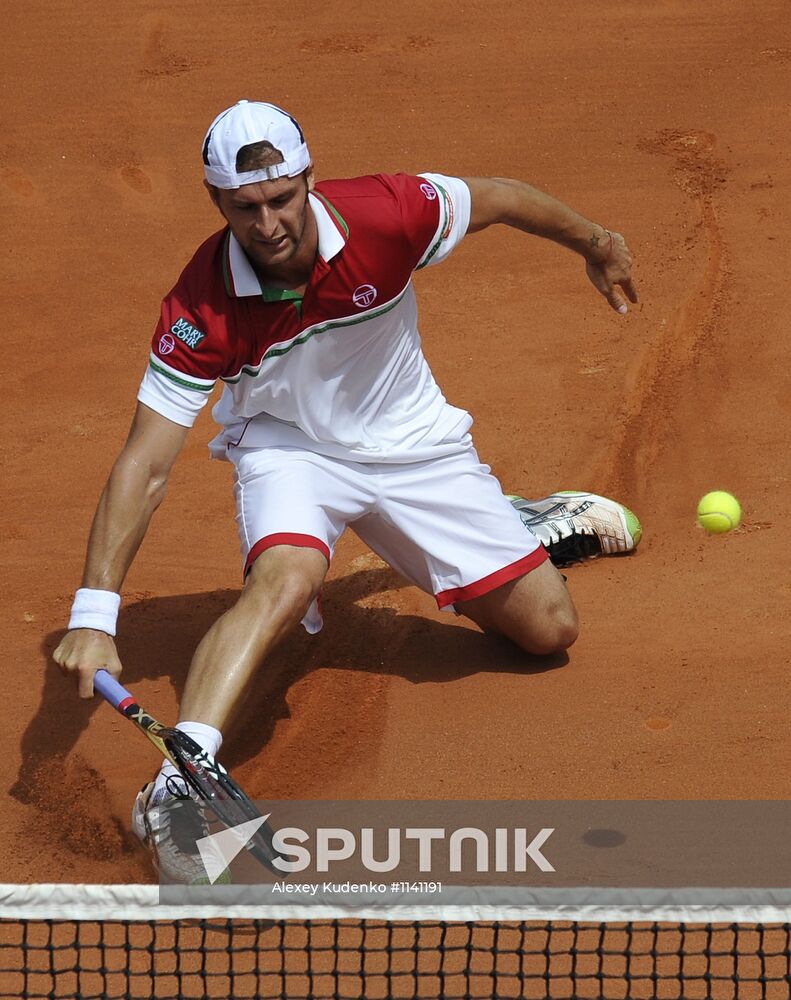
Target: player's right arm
135	488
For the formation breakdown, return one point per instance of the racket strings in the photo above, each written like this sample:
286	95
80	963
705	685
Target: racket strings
176	787
219	792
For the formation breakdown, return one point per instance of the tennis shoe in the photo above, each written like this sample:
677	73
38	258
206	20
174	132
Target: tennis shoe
169	823
574	526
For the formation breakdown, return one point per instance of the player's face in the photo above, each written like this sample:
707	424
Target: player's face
270	219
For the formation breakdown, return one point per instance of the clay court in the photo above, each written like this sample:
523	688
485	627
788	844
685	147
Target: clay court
665	121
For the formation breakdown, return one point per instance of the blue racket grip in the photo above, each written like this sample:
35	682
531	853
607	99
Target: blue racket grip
109	688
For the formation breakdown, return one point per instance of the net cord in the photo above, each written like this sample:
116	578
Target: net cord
67	901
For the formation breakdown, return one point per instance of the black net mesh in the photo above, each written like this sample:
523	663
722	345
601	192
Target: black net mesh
357	959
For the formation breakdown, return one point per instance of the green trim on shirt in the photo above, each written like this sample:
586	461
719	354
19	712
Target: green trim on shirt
333	210
179	381
276	352
442	229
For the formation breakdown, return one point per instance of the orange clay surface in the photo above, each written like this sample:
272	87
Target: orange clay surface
667	121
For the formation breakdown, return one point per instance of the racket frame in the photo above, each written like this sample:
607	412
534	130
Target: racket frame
193	763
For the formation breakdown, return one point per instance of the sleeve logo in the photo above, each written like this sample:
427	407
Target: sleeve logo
428	191
187	333
166	344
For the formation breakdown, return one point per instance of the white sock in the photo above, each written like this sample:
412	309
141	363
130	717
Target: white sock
169	778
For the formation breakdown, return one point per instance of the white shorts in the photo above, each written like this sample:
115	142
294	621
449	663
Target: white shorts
444	524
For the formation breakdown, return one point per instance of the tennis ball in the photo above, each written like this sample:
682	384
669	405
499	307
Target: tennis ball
719	512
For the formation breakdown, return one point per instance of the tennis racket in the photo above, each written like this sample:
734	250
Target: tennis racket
206	776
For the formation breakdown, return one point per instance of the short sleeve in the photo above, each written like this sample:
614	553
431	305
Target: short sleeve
433	214
172	399
454	200
184	363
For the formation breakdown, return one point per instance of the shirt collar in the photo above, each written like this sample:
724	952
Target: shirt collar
242	280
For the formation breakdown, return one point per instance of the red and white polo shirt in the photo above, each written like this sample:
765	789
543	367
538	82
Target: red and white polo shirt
339	371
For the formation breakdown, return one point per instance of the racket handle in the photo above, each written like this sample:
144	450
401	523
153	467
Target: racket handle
109	688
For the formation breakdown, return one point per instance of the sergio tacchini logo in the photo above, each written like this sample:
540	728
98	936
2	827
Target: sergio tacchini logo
364	296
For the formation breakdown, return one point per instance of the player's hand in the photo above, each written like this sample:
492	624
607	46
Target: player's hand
82	652
612	275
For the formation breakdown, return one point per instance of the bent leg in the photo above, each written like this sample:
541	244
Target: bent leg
535	611
279	588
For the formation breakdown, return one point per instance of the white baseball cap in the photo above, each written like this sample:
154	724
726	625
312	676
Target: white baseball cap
247	122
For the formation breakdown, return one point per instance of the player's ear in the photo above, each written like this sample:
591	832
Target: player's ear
309	177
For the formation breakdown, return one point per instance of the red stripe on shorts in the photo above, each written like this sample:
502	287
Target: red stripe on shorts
285	538
493	580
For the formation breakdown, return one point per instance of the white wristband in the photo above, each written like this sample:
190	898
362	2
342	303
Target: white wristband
95	609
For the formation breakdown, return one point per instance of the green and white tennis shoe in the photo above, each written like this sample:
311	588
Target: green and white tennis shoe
574	526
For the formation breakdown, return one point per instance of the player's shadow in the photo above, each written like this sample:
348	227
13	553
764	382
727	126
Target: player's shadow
160	634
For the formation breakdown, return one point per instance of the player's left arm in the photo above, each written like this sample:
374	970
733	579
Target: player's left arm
608	262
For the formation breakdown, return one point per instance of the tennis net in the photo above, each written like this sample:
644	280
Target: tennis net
114	942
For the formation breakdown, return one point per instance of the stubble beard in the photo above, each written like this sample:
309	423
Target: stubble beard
268	267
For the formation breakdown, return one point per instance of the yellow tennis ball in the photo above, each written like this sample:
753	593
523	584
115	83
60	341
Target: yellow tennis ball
719	512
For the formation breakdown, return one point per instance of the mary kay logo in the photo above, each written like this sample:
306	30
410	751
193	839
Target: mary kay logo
364	296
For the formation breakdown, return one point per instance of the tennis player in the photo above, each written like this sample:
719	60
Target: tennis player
303	306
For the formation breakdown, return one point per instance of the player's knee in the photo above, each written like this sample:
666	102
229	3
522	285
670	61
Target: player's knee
284	595
558	631
293	596
564	633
